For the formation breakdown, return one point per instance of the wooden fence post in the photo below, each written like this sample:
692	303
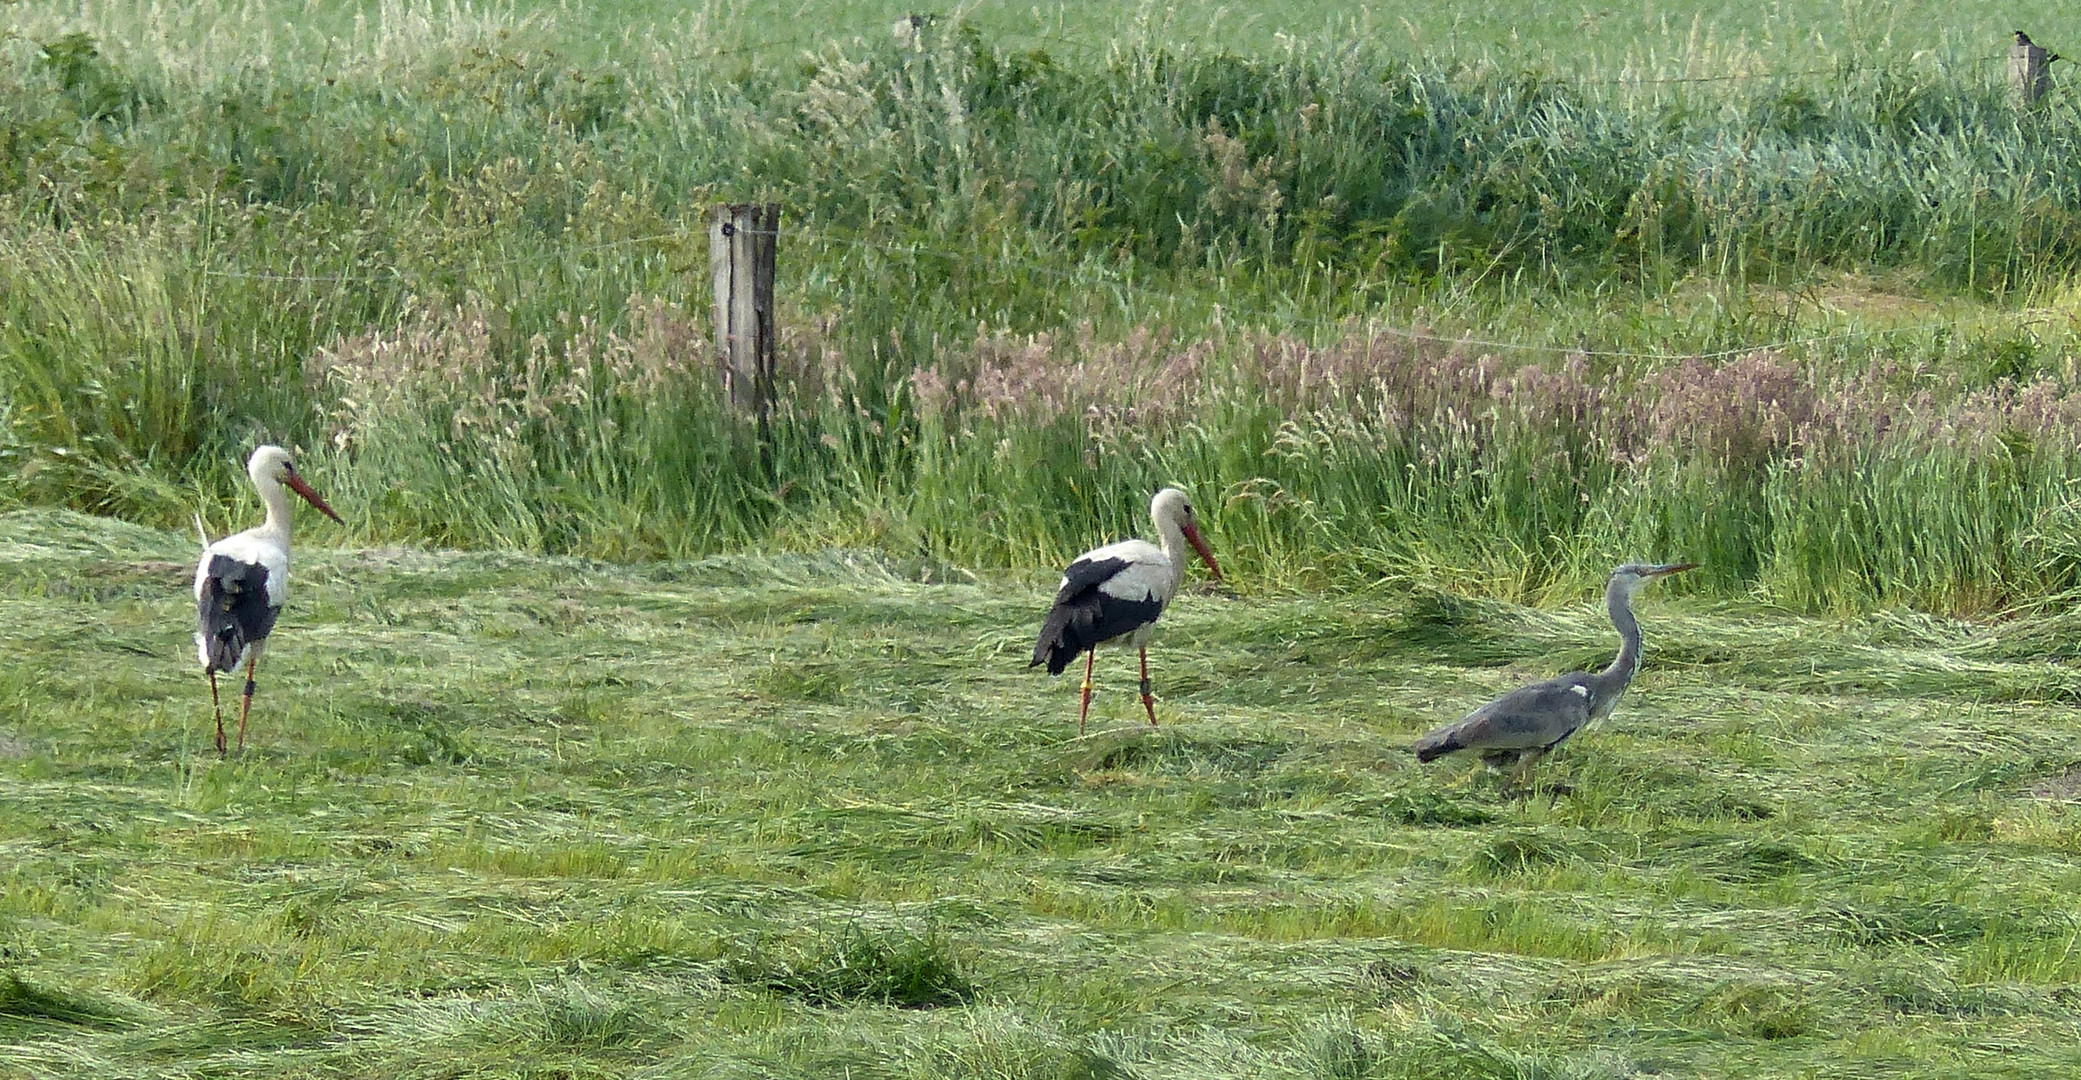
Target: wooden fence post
2029	66
910	31
741	246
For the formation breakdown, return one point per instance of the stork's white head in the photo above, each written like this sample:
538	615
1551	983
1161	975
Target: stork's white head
1633	575
272	467
1172	507
270	462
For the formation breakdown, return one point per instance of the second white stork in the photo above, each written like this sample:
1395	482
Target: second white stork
1119	591
242	581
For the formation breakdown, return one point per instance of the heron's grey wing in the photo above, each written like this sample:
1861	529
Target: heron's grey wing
1537	715
1530	717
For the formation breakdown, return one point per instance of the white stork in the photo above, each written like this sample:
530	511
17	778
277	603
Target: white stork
242	580
1120	590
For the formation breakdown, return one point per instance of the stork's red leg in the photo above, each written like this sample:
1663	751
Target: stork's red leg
1148	700
218	708
245	704
1090	656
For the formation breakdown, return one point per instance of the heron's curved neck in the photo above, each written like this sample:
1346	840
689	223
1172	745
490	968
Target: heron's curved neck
277	500
1619	601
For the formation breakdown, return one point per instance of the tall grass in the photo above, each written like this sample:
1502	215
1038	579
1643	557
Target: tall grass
463	270
1367	459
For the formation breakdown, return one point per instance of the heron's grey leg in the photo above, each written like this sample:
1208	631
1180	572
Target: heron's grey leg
245	704
1148	700
1525	761
217	707
1090	656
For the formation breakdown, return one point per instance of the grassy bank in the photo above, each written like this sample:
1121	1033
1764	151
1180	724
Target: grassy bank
460	262
506	815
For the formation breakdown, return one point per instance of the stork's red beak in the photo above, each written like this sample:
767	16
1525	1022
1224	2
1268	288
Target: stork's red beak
297	485
1206	554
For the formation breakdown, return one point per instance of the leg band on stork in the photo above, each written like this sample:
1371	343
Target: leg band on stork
245	704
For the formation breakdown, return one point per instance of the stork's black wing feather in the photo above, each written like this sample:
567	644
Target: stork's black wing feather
232	611
1085	615
1085	576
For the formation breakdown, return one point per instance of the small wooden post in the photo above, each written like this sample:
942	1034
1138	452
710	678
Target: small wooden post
741	245
910	31
2029	69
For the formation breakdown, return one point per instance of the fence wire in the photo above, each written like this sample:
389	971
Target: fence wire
1086	274
825	39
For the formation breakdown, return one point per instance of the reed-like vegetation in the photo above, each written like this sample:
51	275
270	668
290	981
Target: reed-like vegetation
464	271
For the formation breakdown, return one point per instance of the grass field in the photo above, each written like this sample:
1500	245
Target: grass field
714	752
1568	35
506	815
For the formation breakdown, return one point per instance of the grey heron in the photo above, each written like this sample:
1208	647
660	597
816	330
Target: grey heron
1521	726
243	579
1120	590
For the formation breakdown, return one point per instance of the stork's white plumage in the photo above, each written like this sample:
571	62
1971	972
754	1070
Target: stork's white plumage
243	580
1119	591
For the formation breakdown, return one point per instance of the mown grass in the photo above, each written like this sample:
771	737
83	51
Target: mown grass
507	815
